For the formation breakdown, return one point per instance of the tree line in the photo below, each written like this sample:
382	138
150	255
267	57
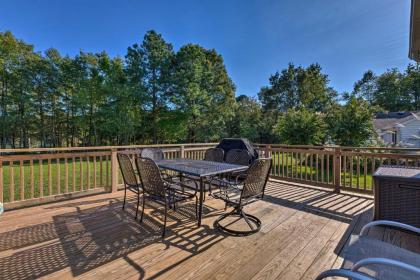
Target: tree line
155	94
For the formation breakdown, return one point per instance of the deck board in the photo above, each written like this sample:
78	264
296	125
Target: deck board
304	232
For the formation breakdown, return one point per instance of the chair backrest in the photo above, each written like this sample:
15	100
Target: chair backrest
214	154
238	156
150	176
127	169
153	153
256	178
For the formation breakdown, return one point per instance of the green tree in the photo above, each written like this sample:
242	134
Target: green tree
301	127
247	119
351	124
203	93
297	87
150	67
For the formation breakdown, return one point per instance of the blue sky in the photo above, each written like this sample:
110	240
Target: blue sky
256	38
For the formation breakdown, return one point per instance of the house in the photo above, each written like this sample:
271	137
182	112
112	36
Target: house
398	128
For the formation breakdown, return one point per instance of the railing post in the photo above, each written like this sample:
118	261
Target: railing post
114	170
337	169
182	151
267	151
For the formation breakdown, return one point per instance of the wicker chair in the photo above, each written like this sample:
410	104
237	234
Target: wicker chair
159	190
131	182
238	156
214	154
252	190
153	153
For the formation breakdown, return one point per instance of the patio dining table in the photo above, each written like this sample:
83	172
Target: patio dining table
201	169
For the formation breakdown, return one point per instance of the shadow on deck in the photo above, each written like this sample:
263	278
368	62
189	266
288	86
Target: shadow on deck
93	237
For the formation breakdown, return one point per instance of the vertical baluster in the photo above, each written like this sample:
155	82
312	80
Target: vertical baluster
328	168
365	172
282	163
101	173
81	172
316	167
41	179
292	163
296	165
31	178
49	178
22	180
88	172
94	171
11	182
107	170
300	159
322	167
73	164
373	170
306	166
311	167
58	163
345	170
66	175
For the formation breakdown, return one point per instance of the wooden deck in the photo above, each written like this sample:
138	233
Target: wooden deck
303	233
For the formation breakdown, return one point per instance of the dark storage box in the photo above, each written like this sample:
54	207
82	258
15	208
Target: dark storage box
397	194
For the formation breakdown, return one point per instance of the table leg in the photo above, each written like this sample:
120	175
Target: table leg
200	203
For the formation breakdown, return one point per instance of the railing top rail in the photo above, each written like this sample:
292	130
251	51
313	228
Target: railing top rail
336	147
96	148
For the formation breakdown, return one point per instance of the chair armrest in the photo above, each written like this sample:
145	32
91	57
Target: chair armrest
388	223
343	273
387	262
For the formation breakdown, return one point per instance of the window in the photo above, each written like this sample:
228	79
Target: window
394	137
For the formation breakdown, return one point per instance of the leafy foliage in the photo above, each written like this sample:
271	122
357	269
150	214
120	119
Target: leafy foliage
155	94
301	127
351	124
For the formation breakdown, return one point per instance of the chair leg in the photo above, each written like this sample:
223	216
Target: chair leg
138	202
125	195
142	208
164	220
196	207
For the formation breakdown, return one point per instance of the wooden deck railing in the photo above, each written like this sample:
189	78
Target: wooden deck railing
340	168
32	176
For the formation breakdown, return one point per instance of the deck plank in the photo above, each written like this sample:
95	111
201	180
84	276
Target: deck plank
304	232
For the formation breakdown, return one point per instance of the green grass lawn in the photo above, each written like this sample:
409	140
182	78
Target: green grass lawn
77	182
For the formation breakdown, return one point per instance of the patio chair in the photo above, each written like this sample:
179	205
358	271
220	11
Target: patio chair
159	190
214	154
131	182
153	153
251	191
369	258
238	156
234	179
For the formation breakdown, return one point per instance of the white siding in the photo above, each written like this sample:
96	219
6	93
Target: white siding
409	129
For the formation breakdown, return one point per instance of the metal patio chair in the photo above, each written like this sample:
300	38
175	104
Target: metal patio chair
214	154
152	153
369	258
131	182
252	190
159	190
